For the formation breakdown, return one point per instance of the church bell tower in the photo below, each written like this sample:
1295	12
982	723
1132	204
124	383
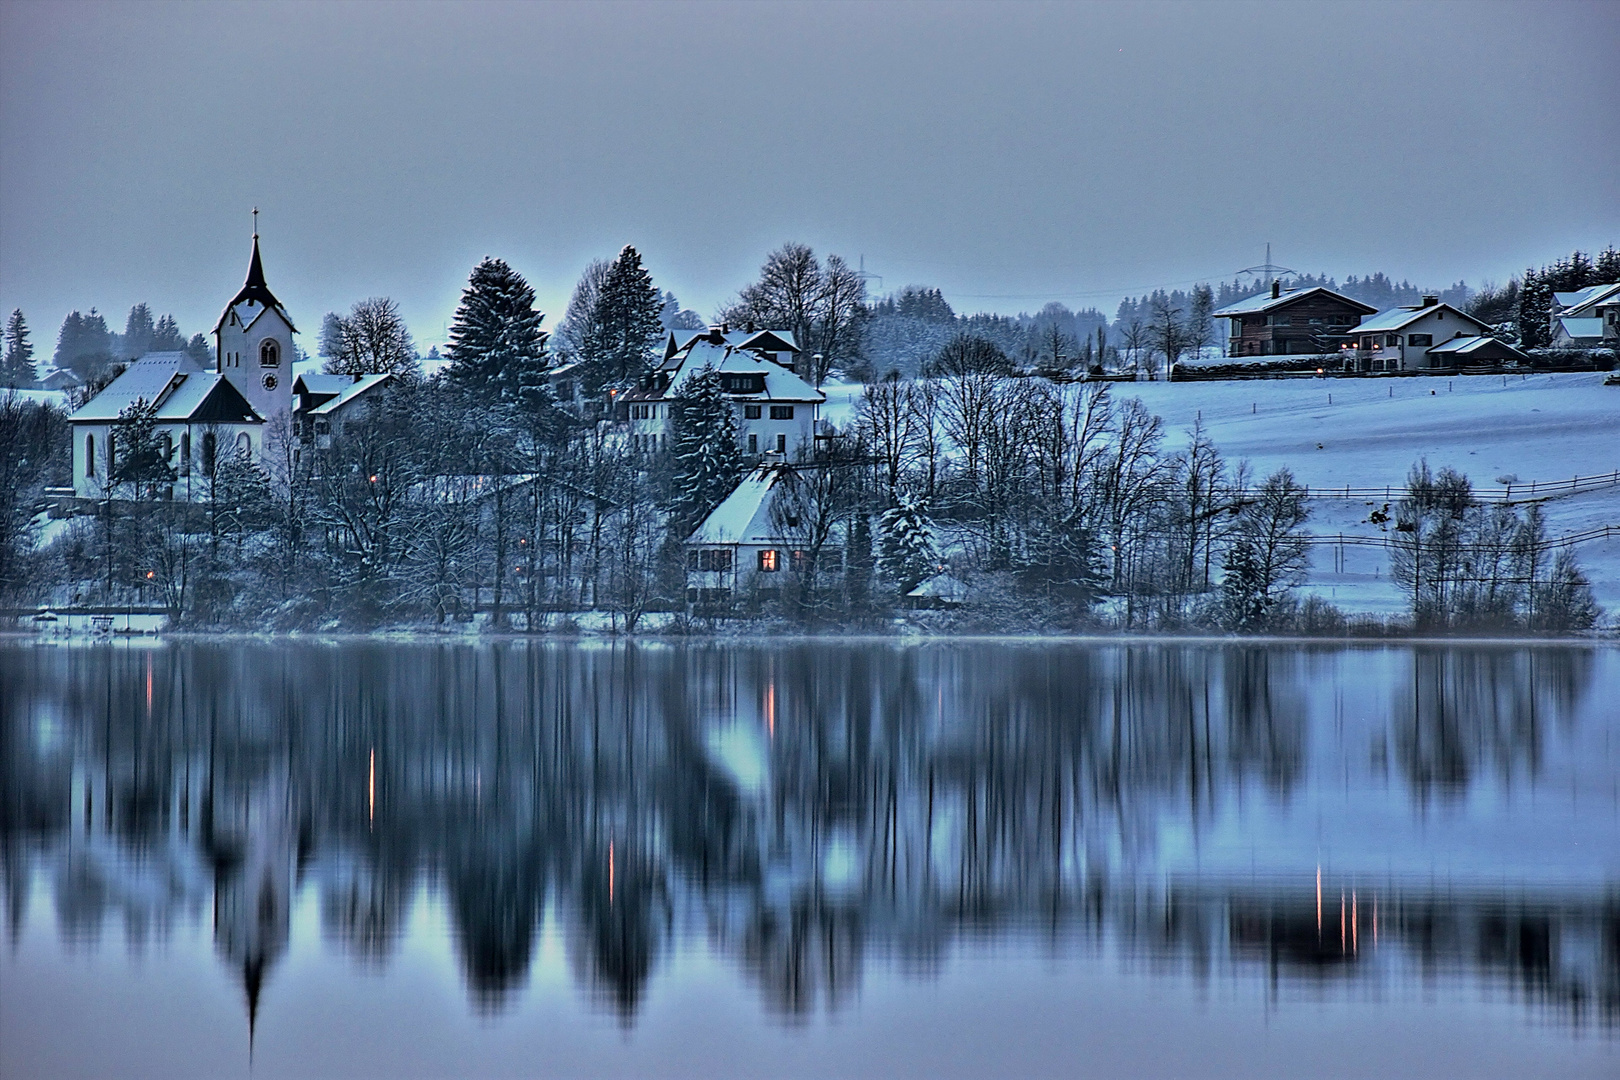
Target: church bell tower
253	342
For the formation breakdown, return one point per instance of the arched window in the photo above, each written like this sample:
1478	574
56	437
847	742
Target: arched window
270	354
244	445
208	453
89	455
185	454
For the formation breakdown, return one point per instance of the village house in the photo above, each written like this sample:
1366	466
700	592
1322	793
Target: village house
1292	322
1585	319
748	547
323	402
776	411
1405	338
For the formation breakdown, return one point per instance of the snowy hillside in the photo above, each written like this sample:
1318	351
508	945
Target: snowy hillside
1367	433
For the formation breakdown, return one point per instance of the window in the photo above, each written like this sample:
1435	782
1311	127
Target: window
185	454
89	455
166	441
781	412
244	445
710	560
1392	340
1420	339
801	562
770	561
208	454
752	412
753	443
270	354
781	444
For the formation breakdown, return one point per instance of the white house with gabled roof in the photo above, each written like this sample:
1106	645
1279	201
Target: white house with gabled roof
1586	318
777	411
1400	338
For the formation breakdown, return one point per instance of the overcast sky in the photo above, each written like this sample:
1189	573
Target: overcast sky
1008	154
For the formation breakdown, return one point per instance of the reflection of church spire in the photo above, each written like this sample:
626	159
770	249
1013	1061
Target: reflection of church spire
252	980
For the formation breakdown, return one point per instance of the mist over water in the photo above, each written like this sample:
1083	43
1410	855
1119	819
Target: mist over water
808	857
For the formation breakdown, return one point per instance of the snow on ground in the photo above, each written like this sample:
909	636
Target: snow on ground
59	398
1369	432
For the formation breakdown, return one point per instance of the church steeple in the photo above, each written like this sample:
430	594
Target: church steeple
254	341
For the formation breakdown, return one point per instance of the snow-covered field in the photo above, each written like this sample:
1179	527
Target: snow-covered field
1368	433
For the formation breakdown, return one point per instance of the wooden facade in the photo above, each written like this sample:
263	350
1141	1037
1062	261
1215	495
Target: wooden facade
1310	321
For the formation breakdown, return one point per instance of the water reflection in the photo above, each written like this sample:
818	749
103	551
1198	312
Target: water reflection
804	805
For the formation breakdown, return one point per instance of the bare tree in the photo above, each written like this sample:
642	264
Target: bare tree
373	339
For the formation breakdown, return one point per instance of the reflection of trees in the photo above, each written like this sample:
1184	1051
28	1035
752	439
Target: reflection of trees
901	796
1468	709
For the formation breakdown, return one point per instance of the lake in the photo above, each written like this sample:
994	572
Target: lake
841	858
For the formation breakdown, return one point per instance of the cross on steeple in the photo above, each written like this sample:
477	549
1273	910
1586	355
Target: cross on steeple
255	223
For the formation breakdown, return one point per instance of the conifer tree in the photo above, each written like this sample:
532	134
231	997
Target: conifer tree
1243	589
166	336
17	370
497	350
708	460
138	332
906	546
626	322
141	458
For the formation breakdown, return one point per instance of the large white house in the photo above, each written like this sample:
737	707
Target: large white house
1404	338
777	412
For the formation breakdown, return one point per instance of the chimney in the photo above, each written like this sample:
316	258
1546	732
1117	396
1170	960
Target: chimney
1276	288
1430	301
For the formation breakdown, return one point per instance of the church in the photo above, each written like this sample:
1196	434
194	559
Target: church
200	414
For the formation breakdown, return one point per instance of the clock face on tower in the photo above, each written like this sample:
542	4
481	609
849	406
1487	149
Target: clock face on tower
269	382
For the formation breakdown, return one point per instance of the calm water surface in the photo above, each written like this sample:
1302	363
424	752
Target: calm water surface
864	858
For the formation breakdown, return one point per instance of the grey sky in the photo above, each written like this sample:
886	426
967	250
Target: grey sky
1009	154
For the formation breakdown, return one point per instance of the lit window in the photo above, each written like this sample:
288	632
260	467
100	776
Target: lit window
769	561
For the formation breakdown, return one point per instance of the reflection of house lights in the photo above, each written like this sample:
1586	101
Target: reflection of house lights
371	787
1355	937
770	709
1319	902
610	871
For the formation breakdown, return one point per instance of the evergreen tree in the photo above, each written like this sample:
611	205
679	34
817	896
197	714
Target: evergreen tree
708	461
626	322
1243	589
497	349
138	333
906	552
83	345
166	336
142	459
17	369
197	348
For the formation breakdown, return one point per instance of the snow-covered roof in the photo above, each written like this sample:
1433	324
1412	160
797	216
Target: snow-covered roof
744	516
1581	328
1397	317
1254	305
350	392
321	383
1474	345
147	379
942	586
1574	303
781	384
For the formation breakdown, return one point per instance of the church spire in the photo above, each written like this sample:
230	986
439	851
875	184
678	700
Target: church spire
255	278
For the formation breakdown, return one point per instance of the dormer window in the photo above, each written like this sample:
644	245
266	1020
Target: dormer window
270	354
